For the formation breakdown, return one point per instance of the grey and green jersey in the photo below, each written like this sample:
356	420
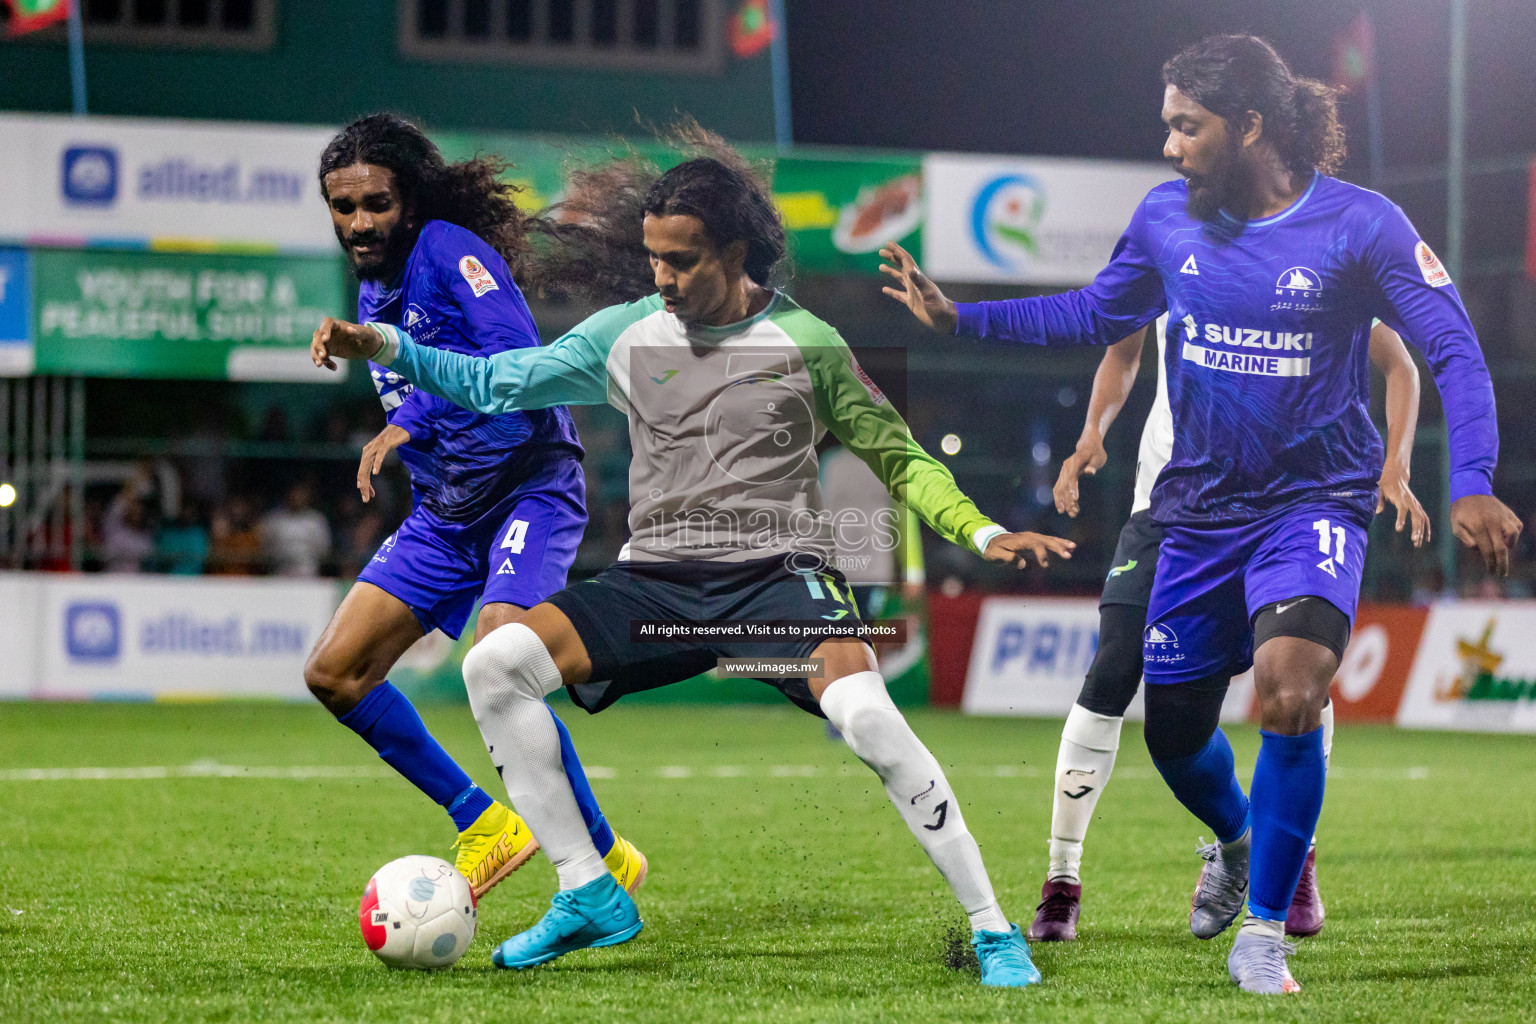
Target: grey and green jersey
723	423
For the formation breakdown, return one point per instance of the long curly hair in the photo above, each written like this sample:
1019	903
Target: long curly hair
1230	75
591	243
586	248
725	191
470	194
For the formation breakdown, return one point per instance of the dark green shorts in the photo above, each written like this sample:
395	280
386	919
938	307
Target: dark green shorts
765	589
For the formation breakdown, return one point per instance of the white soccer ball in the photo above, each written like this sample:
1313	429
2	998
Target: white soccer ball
417	913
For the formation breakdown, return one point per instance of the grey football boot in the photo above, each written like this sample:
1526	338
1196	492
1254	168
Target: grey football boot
1257	964
1221	891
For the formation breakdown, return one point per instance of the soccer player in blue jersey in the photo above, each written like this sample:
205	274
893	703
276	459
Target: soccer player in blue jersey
1270	271
498	502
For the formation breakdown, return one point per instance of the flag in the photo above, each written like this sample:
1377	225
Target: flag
30	15
752	28
1354	54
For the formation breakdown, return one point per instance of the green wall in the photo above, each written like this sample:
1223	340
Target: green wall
336	59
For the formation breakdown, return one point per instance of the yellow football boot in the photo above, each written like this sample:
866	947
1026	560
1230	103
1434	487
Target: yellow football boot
626	864
497	844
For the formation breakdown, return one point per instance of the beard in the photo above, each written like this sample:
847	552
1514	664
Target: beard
388	256
1228	186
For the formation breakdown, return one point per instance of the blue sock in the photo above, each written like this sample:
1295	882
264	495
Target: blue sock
391	726
597	825
1287	799
1206	783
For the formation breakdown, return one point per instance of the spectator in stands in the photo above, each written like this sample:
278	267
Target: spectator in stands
182	545
236	549
295	536
126	540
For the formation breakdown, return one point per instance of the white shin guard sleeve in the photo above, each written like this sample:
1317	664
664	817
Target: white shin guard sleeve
1084	761
508	674
876	732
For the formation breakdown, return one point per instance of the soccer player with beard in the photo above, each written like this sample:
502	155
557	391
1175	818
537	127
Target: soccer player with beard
728	386
498	501
1271	272
1091	735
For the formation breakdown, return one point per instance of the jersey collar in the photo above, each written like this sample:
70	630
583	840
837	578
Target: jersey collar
1311	187
740	325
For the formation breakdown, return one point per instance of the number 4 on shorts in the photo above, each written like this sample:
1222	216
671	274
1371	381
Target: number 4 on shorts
517	532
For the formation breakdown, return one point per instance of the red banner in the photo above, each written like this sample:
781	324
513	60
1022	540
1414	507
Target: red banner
1370	682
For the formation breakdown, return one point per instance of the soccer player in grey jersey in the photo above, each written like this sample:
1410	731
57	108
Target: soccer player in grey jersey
728	385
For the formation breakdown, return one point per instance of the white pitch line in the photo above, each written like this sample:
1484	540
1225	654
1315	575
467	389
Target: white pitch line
214	770
193	771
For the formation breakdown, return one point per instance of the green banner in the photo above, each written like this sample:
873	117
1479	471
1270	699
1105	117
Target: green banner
106	313
838	212
838	208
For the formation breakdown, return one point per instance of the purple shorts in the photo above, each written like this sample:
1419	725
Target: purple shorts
517	552
1212	581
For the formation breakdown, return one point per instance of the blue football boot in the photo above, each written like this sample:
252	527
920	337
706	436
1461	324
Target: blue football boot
597	914
1004	959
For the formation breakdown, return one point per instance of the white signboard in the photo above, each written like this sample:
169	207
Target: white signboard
1475	669
1028	220
78	182
1031	654
158	636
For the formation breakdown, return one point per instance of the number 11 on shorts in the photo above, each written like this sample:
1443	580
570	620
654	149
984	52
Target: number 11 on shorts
1326	531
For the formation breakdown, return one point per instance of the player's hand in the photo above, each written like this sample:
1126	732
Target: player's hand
1394	489
336	339
1089	458
1484	522
374	453
914	289
1016	548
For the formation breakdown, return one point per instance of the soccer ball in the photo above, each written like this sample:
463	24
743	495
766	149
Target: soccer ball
417	913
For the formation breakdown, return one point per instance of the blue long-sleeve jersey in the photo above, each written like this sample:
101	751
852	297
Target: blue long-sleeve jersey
457	293
1267	355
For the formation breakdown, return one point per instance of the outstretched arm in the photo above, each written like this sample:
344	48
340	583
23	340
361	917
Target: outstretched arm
1126	294
1391	357
570	371
1112	383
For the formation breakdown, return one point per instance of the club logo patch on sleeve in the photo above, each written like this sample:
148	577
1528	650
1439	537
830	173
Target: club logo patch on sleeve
875	394
476	276
1430	266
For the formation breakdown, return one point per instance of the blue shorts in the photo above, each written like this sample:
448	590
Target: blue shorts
1212	581
517	552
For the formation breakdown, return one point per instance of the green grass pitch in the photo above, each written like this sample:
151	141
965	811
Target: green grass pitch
783	886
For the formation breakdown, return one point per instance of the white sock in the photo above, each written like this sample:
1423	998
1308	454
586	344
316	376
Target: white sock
1327	716
1083	764
508	675
1237	848
1272	929
878	734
